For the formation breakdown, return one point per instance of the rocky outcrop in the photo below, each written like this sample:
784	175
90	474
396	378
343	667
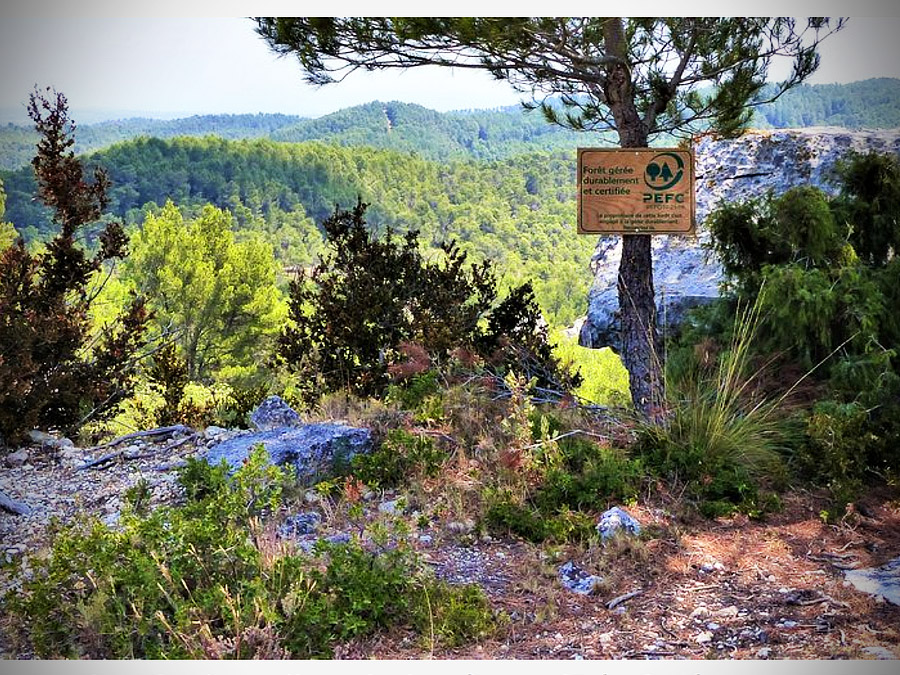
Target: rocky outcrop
686	274
312	450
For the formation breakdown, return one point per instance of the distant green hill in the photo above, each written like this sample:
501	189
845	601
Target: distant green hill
478	134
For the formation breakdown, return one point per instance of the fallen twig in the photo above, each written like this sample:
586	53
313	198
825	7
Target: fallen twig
160	431
622	598
108	457
565	435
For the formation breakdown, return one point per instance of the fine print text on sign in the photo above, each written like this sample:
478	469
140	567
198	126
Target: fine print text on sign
635	191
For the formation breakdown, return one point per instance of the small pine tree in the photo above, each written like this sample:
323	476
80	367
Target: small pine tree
52	374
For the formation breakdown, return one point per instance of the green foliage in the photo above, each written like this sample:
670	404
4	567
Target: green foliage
604	378
506	514
869	203
867	104
217	296
369	299
201	581
829	278
796	227
281	190
723	439
401	456
590	477
51	375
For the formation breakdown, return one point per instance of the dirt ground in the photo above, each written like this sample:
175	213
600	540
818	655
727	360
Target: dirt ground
726	589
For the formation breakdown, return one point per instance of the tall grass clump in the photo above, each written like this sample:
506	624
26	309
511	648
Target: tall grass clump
723	440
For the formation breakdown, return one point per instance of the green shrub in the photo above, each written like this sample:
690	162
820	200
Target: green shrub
400	456
505	515
205	581
369	299
591	477
53	372
722	440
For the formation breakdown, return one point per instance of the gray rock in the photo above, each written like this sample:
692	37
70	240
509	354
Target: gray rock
39	437
880	653
313	450
273	413
393	507
577	580
883	582
299	524
616	520
213	432
17	458
7	503
685	272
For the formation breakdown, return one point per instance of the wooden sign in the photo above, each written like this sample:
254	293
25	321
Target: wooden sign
635	191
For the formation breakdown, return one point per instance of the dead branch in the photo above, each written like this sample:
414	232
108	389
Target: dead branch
622	598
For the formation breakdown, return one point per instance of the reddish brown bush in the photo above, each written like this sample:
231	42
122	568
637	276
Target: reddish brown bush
53	374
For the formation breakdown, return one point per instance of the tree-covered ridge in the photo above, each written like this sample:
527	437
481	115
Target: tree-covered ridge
518	212
480	134
17	142
873	104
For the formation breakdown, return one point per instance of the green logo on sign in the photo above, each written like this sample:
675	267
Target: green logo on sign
664	171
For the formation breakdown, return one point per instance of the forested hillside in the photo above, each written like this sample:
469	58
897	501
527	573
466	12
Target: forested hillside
872	104
479	134
505	211
498	181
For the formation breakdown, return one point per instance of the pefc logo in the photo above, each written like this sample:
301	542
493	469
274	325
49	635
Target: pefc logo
664	171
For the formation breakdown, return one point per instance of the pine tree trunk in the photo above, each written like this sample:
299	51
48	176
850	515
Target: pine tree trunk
641	352
640	342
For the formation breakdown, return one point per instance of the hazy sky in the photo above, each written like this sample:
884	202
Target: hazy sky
185	66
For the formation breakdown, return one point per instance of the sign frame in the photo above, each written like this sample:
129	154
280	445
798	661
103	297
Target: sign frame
636	191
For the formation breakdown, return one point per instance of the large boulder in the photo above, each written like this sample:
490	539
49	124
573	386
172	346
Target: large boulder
686	273
312	450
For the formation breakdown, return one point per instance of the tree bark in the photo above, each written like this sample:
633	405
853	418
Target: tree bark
641	351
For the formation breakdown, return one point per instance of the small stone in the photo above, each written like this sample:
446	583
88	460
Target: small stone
274	413
700	613
298	524
617	520
64	443
461	527
16	459
712	625
789	624
880	653
577	580
425	539
213	432
39	437
704	638
392	507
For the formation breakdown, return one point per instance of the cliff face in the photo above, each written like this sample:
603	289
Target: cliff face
685	273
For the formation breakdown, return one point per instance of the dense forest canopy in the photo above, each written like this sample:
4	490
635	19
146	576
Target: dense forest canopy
499	181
